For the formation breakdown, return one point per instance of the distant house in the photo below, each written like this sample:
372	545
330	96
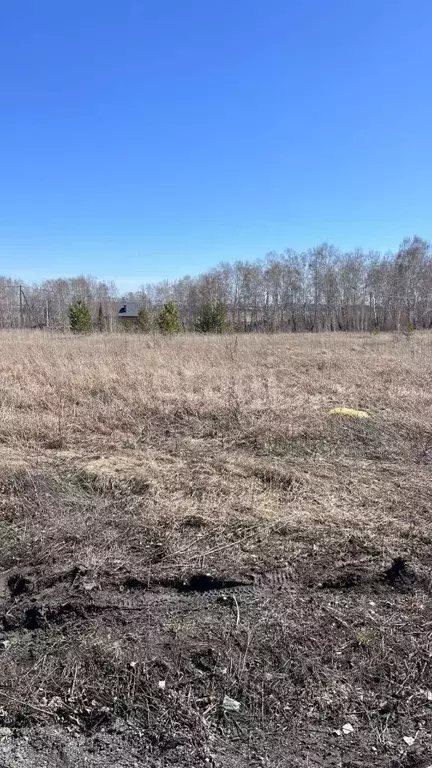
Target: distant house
128	309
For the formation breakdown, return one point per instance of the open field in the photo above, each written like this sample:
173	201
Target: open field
181	520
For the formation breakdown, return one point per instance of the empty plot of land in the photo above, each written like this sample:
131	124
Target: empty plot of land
181	521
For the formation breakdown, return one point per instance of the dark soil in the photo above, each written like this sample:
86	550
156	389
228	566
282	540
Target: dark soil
123	627
303	658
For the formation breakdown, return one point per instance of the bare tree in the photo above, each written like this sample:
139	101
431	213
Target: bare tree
322	289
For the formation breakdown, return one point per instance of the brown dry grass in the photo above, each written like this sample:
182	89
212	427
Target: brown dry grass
228	423
131	463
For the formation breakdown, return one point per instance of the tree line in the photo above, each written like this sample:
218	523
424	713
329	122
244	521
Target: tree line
322	289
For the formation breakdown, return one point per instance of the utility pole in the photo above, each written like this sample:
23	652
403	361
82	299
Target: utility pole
21	308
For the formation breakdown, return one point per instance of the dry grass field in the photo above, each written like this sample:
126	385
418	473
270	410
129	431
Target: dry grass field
182	520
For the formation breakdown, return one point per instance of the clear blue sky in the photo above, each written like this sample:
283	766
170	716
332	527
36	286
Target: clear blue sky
145	139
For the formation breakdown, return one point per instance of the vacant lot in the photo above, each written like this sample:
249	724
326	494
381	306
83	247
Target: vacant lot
182	520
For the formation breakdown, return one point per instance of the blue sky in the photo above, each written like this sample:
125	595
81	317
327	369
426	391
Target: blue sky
146	139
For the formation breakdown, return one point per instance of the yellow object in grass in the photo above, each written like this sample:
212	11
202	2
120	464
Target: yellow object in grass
349	412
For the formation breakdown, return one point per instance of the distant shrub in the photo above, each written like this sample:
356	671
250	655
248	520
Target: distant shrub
128	325
80	318
169	319
213	319
144	320
409	331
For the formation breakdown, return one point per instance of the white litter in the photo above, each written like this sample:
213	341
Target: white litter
347	728
230	705
409	740
161	685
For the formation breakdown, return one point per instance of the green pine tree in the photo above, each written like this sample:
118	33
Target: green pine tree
213	319
169	319
205	320
80	318
220	320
